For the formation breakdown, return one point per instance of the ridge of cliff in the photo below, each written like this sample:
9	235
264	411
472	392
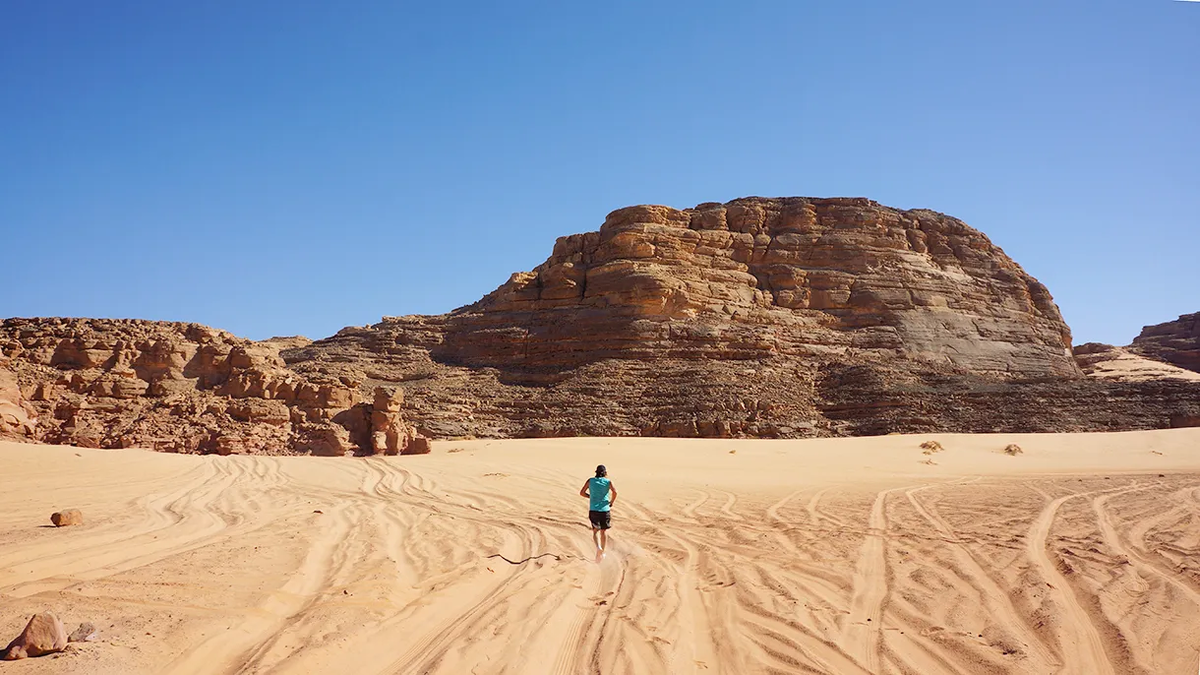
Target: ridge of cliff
759	318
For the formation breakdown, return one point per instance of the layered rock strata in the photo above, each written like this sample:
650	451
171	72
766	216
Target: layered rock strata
1175	342
1120	363
768	318
760	317
760	278
181	388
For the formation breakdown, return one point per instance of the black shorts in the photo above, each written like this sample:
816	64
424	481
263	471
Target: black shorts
601	520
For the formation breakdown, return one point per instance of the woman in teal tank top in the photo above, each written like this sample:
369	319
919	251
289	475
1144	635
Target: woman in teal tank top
598	491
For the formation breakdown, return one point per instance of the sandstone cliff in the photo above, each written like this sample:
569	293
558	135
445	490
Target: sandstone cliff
764	277
183	388
757	318
1122	363
18	419
1175	342
761	317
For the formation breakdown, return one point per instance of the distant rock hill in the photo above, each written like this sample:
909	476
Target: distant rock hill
772	318
1124	363
178	387
1175	342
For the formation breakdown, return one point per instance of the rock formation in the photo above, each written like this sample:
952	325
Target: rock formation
67	517
723	320
761	278
389	434
774	318
1175	342
44	634
17	417
1120	363
172	386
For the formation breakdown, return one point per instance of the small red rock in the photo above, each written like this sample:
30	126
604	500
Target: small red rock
67	517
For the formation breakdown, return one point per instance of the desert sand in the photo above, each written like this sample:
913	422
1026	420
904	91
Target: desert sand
1079	555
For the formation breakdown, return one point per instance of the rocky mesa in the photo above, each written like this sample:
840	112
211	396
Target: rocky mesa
760	317
759	278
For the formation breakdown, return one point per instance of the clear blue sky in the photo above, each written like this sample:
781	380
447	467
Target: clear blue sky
277	168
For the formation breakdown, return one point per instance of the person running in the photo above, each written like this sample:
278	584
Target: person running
600	509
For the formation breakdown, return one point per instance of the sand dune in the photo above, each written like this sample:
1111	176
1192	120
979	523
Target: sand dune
828	556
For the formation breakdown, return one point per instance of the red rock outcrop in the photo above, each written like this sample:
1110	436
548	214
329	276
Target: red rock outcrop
1120	363
419	446
764	277
1182	420
17	417
1175	342
172	386
772	318
44	634
67	517
389	434
723	320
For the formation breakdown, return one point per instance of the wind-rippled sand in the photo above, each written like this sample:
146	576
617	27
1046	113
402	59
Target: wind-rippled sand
1081	555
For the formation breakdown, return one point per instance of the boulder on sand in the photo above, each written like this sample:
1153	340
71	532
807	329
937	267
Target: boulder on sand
418	446
67	517
85	633
44	634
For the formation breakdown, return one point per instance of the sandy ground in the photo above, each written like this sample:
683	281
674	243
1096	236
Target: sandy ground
1081	555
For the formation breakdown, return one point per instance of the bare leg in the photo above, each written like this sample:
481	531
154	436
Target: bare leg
603	539
595	534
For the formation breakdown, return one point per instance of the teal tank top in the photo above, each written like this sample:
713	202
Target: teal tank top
599	493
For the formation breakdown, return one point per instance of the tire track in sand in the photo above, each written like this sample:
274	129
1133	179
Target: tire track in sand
1085	653
448	622
689	511
159	511
177	522
576	617
816	514
226	650
691	612
773	509
863	626
995	600
1109	531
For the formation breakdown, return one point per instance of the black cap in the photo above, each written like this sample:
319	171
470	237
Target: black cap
601	471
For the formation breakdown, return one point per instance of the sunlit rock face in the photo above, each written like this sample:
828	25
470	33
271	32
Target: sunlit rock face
1176	342
762	318
759	278
177	387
